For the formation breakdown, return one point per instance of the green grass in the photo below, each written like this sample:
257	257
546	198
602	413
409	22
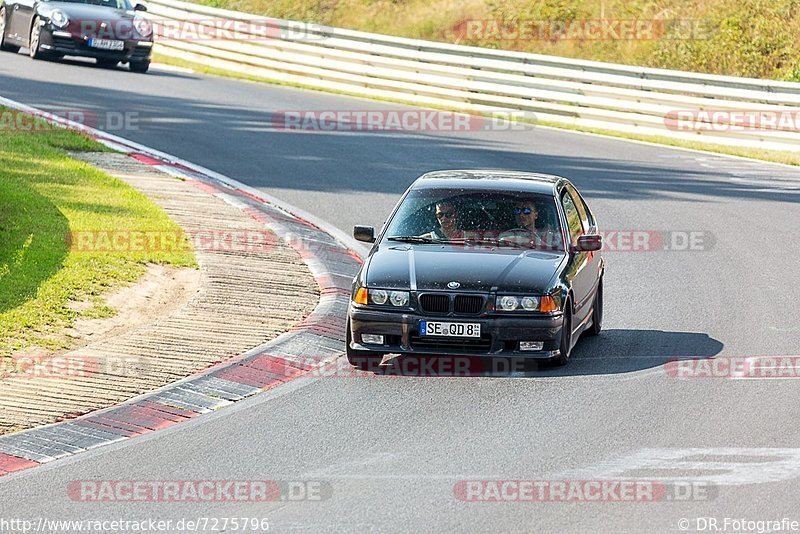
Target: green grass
44	195
775	156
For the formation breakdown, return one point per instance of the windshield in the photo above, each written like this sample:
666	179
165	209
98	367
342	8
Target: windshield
501	218
114	4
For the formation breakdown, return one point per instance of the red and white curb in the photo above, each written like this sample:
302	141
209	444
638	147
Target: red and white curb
333	259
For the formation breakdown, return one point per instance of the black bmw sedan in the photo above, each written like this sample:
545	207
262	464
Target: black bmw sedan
112	31
487	263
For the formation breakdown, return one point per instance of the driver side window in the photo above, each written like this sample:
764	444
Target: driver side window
573	217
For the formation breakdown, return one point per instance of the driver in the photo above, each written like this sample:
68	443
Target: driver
447	216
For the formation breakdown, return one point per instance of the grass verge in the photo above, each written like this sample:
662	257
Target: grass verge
773	156
45	195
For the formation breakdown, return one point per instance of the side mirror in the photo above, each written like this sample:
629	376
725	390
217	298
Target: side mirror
140	7
588	243
364	233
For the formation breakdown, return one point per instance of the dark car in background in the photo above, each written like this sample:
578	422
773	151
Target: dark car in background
111	31
487	263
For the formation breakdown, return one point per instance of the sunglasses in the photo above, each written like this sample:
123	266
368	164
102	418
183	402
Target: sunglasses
445	215
526	211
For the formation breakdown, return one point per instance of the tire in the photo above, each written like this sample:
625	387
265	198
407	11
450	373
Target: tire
597	311
363	360
565	346
4	46
140	66
34	43
107	63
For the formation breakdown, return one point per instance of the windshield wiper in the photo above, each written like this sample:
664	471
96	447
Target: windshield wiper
491	241
413	239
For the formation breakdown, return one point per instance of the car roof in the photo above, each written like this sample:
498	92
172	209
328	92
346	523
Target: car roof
489	179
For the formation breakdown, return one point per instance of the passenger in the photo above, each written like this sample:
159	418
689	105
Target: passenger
526	233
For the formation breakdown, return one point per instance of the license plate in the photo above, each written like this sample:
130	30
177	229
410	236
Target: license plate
107	44
436	328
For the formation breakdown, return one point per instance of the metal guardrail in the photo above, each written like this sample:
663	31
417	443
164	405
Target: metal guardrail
674	104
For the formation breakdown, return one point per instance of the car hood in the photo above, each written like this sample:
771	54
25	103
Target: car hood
88	12
432	267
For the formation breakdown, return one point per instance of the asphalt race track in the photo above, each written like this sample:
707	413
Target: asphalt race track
392	449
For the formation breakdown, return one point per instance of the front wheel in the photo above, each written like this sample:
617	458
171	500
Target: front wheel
3	43
140	66
363	360
565	346
597	311
35	43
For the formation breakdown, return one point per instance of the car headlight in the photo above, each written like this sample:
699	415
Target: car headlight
531	303
59	19
382	297
507	303
143	26
399	298
378	296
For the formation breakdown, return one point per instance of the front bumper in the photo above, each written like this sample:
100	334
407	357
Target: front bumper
71	44
500	335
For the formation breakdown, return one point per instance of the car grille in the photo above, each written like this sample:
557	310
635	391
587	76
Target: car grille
435	303
480	345
439	303
64	43
468	304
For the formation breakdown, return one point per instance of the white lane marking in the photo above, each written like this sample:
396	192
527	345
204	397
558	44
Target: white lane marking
376	459
724	466
769	183
700	154
752	175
